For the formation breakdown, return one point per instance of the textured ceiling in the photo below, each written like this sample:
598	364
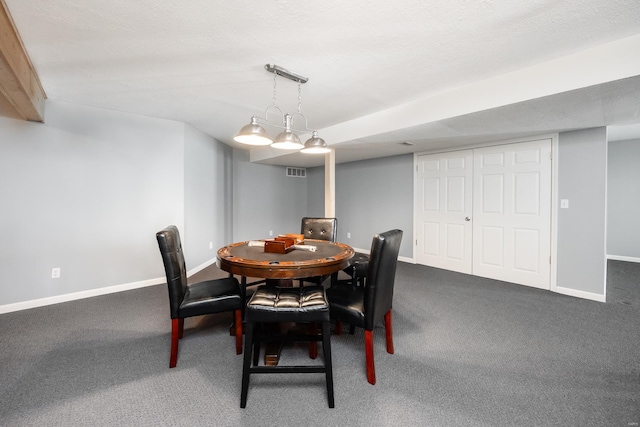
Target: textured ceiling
440	74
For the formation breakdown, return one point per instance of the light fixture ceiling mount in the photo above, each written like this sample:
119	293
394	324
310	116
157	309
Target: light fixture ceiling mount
272	68
255	134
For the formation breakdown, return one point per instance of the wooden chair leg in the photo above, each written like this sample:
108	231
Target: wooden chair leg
181	328
326	349
175	336
238	324
246	365
368	351
313	345
389	332
257	330
338	330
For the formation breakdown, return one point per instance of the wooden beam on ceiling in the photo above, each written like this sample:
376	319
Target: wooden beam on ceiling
19	82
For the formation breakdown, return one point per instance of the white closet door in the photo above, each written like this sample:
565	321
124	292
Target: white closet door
512	213
444	207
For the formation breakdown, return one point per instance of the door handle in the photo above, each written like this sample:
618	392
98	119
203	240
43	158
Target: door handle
467	218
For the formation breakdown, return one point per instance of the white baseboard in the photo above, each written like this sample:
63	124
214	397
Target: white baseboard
623	258
580	294
201	267
41	302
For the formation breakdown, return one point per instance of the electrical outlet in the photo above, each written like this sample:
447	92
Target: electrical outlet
270	232
348	235
210	245
55	273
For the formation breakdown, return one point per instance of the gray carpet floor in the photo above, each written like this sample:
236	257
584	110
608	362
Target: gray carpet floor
469	352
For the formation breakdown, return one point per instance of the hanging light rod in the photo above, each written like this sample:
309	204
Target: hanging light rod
255	134
272	68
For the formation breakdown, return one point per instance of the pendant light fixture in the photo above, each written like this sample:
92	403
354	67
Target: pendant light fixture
255	134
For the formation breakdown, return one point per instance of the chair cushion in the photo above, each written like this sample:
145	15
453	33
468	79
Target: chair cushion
347	304
211	296
277	304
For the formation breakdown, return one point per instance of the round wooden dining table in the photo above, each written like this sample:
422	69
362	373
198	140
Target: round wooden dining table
252	261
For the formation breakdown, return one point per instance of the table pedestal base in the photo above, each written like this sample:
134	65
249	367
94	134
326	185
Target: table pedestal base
273	349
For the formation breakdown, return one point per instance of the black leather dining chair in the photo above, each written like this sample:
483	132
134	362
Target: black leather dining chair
368	305
273	304
195	299
318	229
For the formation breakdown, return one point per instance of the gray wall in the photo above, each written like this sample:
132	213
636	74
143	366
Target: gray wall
582	177
372	196
81	193
87	192
265	199
207	196
623	199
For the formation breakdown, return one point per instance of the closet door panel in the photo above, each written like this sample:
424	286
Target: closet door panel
512	193
444	185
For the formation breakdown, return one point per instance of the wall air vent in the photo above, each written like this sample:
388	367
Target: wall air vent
297	172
